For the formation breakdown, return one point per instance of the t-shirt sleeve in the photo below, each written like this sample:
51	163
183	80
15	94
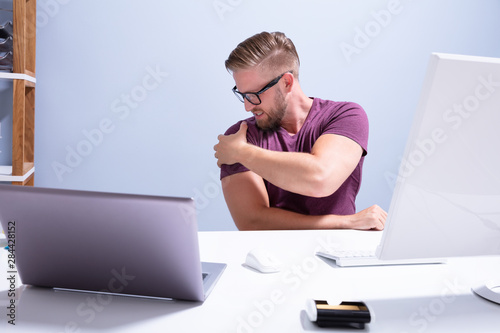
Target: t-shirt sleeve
350	120
227	170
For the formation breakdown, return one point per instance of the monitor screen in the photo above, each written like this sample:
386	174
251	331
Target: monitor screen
446	201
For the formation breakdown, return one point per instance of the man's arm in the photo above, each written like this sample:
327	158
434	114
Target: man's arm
247	200
317	174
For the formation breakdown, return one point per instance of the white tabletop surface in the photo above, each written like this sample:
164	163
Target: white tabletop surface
417	298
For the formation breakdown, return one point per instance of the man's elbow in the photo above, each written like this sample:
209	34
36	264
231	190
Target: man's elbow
319	192
246	225
248	222
320	186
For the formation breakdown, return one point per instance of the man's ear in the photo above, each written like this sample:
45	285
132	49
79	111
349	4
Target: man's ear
289	81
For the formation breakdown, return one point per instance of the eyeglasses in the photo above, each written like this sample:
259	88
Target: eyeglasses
253	97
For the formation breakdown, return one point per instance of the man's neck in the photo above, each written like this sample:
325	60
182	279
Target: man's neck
298	110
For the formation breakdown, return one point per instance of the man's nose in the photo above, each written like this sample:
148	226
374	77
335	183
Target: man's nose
248	106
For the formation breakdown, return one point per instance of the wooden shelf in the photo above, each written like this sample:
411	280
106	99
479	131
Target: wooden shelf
17	76
6	174
23	100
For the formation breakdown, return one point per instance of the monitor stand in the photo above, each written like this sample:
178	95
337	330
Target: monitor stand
487	291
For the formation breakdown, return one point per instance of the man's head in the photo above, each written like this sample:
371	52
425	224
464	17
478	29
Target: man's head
273	53
258	64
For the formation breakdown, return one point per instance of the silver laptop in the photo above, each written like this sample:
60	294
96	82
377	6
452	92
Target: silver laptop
107	242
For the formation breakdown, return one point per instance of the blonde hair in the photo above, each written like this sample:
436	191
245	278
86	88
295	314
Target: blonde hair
272	53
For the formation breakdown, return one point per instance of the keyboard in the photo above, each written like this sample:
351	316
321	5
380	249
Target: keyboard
350	258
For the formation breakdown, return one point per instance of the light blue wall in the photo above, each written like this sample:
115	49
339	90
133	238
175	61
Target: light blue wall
139	91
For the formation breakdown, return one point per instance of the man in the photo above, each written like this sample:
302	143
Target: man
296	164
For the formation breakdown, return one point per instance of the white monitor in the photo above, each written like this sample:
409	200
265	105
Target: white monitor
446	201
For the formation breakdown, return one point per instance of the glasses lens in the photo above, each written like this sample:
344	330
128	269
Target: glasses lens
238	95
253	98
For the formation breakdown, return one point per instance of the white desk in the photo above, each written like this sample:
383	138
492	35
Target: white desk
427	298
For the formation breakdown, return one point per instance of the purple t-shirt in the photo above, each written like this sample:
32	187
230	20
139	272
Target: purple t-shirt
325	117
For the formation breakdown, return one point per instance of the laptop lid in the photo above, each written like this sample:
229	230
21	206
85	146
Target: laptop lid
106	242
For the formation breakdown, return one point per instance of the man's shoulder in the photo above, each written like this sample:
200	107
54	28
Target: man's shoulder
343	118
328	110
255	135
235	127
333	106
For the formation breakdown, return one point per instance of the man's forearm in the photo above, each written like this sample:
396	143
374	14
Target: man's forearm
294	172
248	203
270	218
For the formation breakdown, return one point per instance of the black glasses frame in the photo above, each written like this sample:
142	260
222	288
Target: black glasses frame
242	96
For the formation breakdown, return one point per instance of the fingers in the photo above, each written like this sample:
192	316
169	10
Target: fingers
379	227
243	128
227	147
380	216
372	218
216	153
218	163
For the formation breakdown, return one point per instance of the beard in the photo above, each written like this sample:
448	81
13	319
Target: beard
275	115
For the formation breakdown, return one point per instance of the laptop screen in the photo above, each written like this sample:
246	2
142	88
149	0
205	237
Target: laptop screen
105	242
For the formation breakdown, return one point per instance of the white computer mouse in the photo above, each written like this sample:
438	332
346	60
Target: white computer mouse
263	261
